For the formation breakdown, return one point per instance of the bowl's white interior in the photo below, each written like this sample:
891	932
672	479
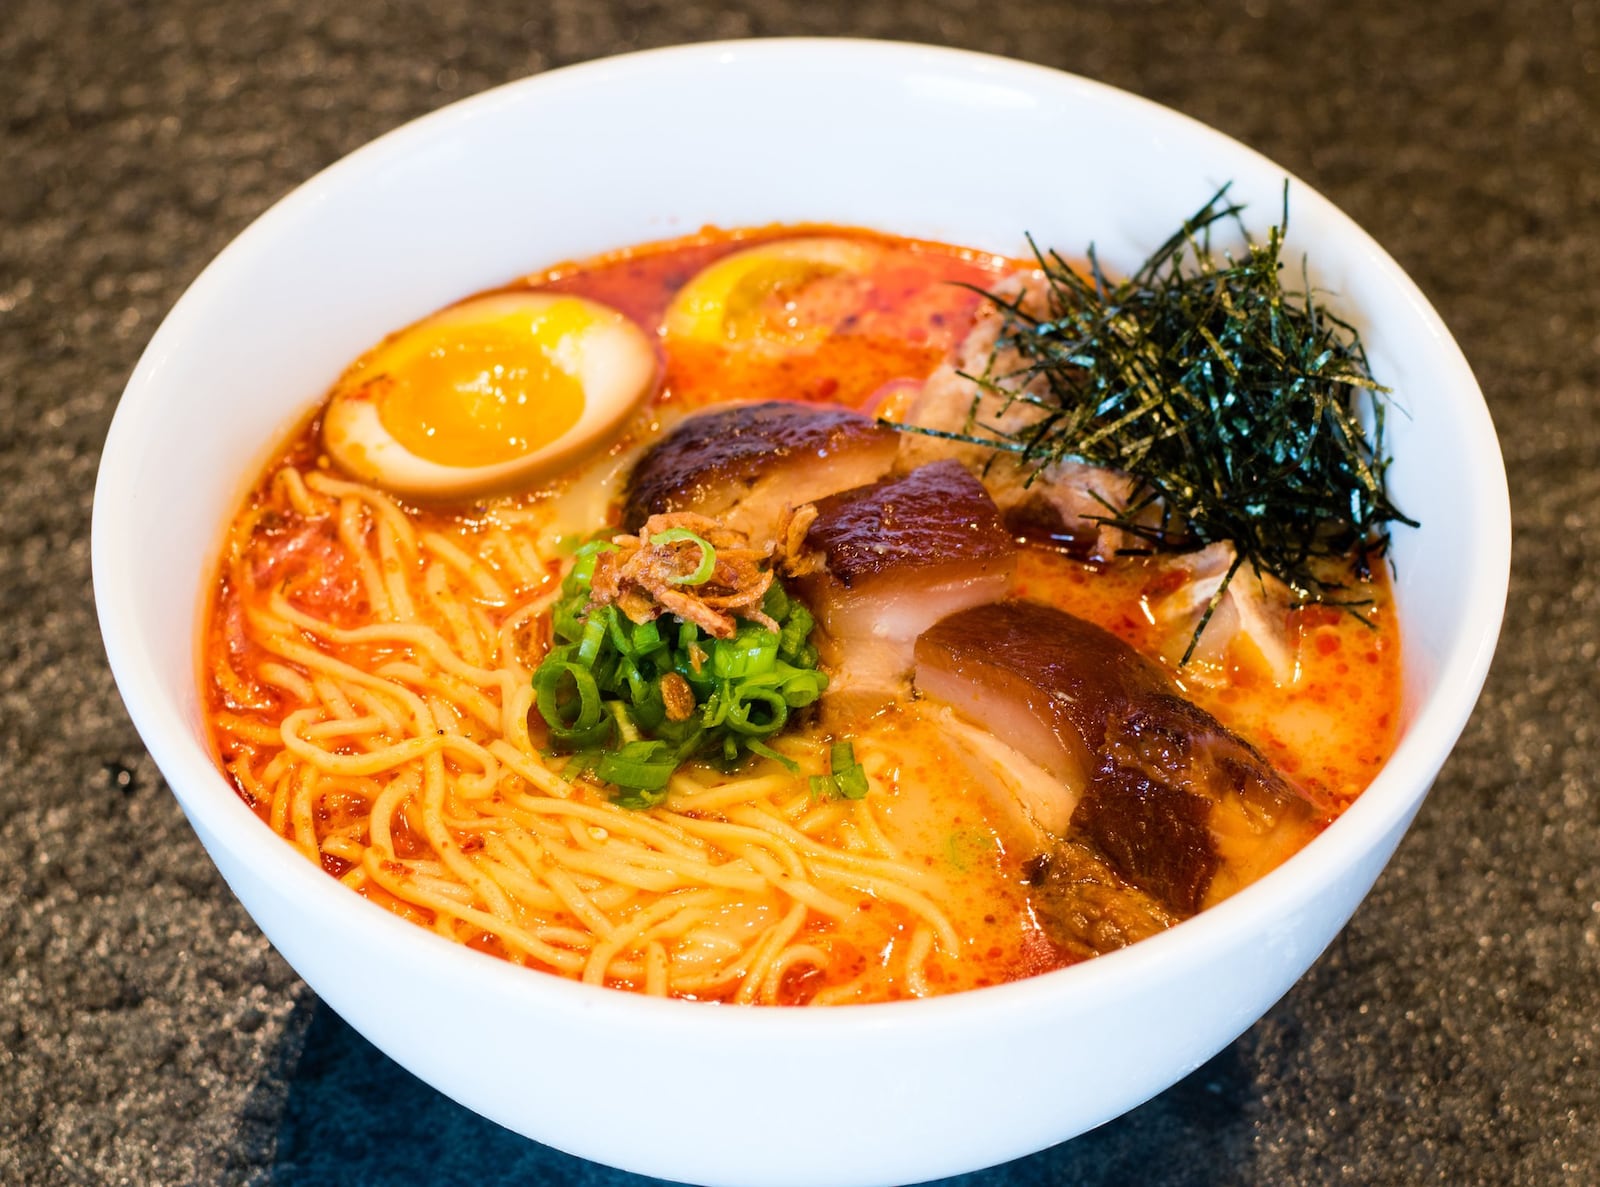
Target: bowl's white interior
921	142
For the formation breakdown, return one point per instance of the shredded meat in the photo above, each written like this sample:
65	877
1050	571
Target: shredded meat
645	579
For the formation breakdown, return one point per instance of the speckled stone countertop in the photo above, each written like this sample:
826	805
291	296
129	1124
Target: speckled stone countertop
149	1035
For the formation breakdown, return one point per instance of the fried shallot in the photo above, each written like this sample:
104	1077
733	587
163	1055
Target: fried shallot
658	571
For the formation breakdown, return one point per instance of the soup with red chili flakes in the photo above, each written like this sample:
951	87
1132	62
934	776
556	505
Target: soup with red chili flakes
696	621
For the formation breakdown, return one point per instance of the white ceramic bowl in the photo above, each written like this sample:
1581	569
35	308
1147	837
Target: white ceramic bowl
920	141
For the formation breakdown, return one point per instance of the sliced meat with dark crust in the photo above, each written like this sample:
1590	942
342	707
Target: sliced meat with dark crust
1180	806
746	464
890	559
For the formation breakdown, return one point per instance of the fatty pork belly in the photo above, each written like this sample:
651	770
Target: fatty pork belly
881	563
747	465
1066	503
1154	790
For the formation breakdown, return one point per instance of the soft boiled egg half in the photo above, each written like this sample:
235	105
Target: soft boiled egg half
774	298
491	393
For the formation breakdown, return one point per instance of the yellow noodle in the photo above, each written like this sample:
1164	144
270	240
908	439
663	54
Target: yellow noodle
657	977
867	867
579	903
395	564
737	837
387	806
686	796
661	832
517	882
379	504
286	678
794	956
476	572
524	765
343	847
276	766
827	814
460	630
424	638
288	485
302	827
659	878
332	695
352	529
445	847
278	814
894	892
236	690
917	953
255	790
342	728
447	908
865	821
766	953
845	991
796	888
248	729
522	859
594	970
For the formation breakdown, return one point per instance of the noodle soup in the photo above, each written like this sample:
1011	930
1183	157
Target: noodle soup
371	659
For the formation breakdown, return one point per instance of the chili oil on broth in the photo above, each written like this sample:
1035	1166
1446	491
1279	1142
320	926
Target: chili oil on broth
369	689
369	685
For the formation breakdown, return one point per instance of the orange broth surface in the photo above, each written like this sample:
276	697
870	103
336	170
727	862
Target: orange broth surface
1330	732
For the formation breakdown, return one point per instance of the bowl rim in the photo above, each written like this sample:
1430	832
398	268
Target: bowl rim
1387	804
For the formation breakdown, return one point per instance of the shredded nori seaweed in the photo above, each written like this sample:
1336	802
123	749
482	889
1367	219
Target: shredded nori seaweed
1247	410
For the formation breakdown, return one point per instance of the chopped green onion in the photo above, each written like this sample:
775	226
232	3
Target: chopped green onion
575	726
594	634
751	652
795	632
852	782
583	566
756	746
626	730
646	637
776	603
740	717
599	690
708	554
640	765
848	778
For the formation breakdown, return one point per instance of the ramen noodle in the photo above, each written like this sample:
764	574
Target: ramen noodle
371	648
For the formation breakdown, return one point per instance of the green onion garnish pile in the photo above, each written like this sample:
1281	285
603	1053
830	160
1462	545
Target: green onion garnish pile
632	701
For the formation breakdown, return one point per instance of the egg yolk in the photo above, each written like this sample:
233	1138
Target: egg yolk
487	393
783	300
778	298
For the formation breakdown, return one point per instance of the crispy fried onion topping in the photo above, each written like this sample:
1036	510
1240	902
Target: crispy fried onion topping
648	575
793	556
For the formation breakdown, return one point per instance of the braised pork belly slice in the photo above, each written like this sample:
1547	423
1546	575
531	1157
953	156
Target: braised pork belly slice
746	465
1180	807
881	563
